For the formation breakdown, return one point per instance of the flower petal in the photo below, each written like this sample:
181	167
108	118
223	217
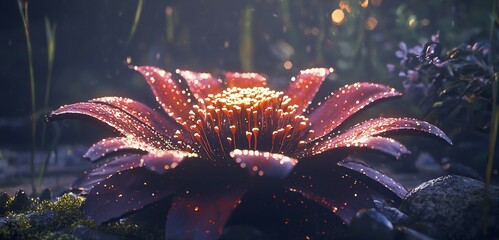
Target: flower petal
201	84
386	184
125	192
331	187
175	98
145	114
304	87
108	146
207	194
362	135
343	103
123	122
195	215
158	162
244	80
264	163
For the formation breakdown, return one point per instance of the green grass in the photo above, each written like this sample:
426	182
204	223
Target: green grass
50	33
23	9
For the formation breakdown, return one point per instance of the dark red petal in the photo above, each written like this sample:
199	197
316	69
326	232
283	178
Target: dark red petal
175	99
338	191
127	125
201	215
264	163
386	145
201	84
244	80
125	192
145	114
343	103
158	161
382	180
361	135
304	87
113	145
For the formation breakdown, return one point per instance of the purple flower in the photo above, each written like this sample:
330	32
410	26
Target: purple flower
219	136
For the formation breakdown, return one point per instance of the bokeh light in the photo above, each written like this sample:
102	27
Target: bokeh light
345	6
337	16
376	2
364	3
288	65
371	23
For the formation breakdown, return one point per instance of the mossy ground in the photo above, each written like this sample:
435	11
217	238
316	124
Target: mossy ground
58	220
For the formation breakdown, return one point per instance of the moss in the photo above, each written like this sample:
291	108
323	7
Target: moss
58	219
17	227
54	220
67	208
131	230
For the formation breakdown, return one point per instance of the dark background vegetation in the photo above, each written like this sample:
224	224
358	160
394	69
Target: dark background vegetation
92	48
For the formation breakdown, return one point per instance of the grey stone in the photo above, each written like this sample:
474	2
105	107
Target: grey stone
21	201
404	233
370	224
84	232
4	221
42	219
454	204
393	214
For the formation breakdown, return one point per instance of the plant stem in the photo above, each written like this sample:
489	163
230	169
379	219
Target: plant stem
50	33
494	122
135	21
246	39
23	8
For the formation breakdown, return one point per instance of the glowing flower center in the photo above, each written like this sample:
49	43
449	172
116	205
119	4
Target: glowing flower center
246	118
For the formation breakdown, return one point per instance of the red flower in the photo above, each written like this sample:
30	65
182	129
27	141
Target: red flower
221	136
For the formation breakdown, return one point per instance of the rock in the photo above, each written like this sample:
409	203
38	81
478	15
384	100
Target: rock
84	232
46	195
404	233
21	201
4	199
428	228
370	224
454	204
4	221
393	214
42	219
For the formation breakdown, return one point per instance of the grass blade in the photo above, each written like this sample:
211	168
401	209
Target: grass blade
23	9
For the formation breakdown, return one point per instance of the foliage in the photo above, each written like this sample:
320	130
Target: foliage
455	87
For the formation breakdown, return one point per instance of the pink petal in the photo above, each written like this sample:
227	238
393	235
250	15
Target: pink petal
201	215
332	188
264	163
159	162
362	135
175	98
343	103
385	145
125	192
244	80
123	122
145	114
304	87
201	84
108	146
385	182
92	177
